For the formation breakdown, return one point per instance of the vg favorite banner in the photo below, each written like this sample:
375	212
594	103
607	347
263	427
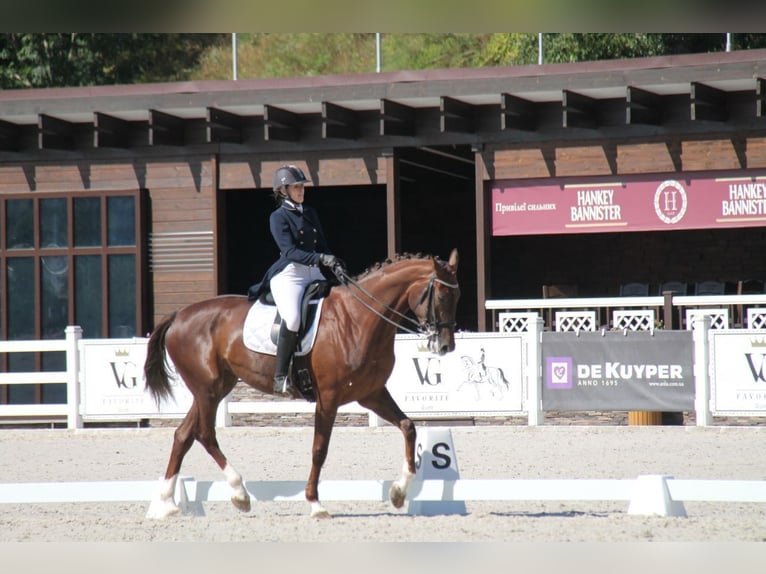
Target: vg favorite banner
483	375
113	382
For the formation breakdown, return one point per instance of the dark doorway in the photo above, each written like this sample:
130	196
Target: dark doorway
438	213
353	218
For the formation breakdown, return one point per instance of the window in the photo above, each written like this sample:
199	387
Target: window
68	260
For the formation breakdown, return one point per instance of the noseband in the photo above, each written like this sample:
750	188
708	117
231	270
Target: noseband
431	325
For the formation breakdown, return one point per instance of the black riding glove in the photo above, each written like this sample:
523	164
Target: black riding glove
328	260
339	270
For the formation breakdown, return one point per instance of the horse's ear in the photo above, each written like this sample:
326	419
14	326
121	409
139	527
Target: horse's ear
453	260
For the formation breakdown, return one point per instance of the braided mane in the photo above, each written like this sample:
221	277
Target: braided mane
390	261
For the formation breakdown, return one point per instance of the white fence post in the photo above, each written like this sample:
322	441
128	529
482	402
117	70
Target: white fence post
222	415
534	377
73	336
701	334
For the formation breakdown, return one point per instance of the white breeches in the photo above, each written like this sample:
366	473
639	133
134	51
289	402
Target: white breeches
287	288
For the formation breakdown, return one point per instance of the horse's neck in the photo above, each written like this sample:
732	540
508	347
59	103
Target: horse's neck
391	286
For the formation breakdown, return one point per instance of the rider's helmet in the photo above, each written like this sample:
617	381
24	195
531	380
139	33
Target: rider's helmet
288	175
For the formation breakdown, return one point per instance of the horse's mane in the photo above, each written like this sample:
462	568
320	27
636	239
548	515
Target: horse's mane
390	261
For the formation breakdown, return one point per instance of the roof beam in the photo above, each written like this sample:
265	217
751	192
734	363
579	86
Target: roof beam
109	131
456	116
578	111
9	136
708	103
517	113
338	122
280	124
166	129
396	119
642	107
222	126
54	133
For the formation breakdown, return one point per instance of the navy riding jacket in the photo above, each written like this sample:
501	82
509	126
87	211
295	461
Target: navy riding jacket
300	239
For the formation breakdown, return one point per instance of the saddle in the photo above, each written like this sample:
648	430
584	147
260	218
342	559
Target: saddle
314	291
300	373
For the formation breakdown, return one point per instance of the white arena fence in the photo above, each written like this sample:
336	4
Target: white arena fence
437	488
645	495
104	379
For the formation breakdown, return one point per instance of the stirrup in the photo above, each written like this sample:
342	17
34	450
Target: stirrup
282	386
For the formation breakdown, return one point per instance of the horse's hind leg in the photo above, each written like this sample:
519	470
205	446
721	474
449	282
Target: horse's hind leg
205	434
164	504
383	405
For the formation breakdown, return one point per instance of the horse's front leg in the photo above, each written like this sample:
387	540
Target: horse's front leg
324	420
383	405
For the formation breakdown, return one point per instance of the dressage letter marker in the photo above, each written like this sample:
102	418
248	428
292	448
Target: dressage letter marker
435	459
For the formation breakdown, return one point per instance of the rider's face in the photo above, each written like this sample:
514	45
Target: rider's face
295	192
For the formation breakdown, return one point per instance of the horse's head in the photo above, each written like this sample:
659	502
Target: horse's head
435	306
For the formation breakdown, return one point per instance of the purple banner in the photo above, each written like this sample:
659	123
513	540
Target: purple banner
600	205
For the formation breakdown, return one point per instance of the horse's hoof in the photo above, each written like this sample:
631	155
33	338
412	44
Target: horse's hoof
242	504
318	511
161	509
397	496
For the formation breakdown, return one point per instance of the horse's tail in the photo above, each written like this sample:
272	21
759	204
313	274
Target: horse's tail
155	367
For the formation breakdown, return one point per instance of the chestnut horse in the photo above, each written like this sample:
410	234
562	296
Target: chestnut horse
352	358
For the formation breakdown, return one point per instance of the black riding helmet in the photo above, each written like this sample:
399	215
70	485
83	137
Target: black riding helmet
288	175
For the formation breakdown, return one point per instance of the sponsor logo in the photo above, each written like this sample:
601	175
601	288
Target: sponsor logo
670	202
559	373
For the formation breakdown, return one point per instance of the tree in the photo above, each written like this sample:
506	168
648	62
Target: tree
75	59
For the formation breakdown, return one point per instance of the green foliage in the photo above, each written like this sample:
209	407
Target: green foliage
76	59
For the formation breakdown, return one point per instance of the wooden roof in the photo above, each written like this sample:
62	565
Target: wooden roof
698	93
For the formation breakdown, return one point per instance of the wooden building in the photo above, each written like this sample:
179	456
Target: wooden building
119	204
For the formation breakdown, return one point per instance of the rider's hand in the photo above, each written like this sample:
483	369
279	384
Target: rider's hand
328	260
339	270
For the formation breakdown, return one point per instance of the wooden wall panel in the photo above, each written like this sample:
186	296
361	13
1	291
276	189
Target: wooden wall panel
68	177
582	160
249	173
654	157
704	155
756	152
518	163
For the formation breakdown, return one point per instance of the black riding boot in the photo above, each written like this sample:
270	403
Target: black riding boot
285	348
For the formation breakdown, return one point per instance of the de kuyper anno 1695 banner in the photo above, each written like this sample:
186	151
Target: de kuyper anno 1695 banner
483	375
615	370
629	203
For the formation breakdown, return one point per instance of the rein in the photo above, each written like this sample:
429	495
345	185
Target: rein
428	327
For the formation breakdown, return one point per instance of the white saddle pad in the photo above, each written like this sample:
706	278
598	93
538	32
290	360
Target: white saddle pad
256	333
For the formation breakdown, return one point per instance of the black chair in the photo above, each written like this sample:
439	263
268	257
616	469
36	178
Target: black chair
710	288
674	287
750	287
634	290
747	287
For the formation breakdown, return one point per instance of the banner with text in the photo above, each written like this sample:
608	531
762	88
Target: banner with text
112	380
483	375
616	370
738	367
629	203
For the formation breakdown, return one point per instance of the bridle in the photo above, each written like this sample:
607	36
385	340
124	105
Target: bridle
429	327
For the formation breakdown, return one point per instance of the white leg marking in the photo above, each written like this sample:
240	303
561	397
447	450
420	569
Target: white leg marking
398	491
240	498
163	505
318	511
